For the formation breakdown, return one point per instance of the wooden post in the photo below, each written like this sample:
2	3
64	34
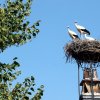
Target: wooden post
92	92
79	80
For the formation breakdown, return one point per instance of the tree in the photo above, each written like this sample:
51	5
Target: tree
16	30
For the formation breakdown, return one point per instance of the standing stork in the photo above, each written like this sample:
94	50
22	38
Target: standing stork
72	34
89	38
81	29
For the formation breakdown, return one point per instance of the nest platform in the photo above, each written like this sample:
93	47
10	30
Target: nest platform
83	51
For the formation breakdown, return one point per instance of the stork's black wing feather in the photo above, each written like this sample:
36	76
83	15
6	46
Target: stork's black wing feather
86	31
76	36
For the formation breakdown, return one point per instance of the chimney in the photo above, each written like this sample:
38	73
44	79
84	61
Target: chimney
86	85
87	73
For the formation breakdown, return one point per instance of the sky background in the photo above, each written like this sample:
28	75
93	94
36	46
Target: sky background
44	57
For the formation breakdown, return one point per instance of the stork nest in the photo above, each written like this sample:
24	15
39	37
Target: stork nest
83	51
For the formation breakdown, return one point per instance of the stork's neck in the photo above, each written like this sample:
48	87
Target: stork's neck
68	29
76	24
85	35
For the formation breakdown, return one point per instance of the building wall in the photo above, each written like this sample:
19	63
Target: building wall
89	97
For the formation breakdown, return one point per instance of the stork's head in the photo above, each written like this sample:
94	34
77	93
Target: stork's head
67	26
75	22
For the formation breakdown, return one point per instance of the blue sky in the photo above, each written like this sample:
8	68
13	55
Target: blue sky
44	57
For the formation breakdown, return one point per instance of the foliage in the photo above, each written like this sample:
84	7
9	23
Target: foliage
16	30
21	91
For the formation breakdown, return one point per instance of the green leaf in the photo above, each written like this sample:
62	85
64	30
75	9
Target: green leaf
37	30
10	73
29	37
26	98
38	23
29	93
32	89
15	58
16	63
32	78
34	34
0	78
42	86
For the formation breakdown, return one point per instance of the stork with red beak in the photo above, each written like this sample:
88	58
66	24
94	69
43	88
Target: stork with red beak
82	30
72	34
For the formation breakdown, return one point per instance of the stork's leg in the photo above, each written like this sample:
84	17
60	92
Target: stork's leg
80	36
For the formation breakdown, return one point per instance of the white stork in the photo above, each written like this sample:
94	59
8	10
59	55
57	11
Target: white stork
89	38
81	29
72	34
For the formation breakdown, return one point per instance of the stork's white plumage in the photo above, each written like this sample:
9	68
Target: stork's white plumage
81	29
72	34
89	38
